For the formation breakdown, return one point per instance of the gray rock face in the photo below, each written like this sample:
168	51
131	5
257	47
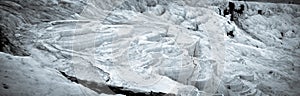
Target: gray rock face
182	47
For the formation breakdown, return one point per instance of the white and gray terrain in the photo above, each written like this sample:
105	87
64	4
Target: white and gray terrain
150	47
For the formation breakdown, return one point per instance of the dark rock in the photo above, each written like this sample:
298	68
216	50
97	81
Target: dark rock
71	78
259	12
240	11
121	90
225	12
5	86
231	10
230	33
270	72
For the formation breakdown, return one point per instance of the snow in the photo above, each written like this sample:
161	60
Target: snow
24	76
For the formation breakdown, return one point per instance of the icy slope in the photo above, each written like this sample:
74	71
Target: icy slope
264	53
17	13
23	76
176	47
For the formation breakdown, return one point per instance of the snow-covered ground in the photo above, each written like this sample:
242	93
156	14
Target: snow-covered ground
169	46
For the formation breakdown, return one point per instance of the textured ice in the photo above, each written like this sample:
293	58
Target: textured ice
169	46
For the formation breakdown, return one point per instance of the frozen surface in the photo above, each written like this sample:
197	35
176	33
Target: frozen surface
178	47
23	76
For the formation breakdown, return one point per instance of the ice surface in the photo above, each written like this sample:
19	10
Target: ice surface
178	47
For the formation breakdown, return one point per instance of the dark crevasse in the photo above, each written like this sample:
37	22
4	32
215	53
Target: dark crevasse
109	89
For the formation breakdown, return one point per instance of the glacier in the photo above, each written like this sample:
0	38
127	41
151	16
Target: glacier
152	47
